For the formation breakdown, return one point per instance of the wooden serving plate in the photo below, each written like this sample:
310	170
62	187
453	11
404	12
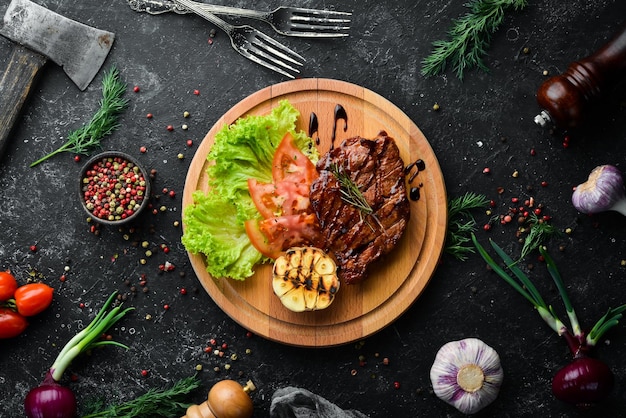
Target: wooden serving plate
393	283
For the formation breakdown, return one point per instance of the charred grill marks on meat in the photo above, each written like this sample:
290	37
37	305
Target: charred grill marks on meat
356	237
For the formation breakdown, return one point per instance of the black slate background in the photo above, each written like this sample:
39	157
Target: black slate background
486	120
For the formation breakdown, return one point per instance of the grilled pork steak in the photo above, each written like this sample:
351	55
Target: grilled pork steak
356	238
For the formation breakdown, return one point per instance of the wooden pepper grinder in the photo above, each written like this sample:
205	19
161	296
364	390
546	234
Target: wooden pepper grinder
226	399
568	99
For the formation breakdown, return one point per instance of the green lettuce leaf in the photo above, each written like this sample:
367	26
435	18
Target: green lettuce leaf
214	224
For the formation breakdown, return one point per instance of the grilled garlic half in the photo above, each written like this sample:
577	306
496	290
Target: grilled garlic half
305	279
467	374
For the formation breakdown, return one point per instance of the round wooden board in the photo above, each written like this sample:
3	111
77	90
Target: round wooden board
393	283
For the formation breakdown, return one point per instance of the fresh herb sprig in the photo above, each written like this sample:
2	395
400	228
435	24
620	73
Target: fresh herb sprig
469	37
350	192
102	123
540	231
168	402
461	223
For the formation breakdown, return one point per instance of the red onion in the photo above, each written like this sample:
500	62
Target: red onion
583	382
50	400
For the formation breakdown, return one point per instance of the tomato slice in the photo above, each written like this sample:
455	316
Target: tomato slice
264	198
260	241
281	198
273	235
291	164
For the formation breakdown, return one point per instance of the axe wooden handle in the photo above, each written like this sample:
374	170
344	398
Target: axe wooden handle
15	86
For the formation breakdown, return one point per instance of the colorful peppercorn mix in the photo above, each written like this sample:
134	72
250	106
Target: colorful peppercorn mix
113	188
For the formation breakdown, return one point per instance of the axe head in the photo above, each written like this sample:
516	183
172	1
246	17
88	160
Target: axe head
78	48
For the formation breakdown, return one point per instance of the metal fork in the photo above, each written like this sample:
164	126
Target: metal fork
288	21
252	44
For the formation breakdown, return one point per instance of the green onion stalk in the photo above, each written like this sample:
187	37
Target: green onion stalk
585	380
52	399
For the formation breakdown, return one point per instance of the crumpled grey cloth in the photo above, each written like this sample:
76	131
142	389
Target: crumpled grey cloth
292	402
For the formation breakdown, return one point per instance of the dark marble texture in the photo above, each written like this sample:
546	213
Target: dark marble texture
485	120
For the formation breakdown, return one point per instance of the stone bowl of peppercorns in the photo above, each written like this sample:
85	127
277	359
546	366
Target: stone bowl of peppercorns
114	188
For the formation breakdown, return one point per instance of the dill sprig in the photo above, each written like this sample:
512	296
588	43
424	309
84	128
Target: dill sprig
461	223
102	123
154	403
350	192
539	232
468	37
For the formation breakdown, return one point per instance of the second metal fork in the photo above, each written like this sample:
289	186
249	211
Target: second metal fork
252	44
288	21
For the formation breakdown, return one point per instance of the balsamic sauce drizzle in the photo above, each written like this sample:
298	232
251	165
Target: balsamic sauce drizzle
340	113
314	128
415	167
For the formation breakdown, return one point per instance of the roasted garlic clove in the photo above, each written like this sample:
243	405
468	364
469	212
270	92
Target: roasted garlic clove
467	374
305	279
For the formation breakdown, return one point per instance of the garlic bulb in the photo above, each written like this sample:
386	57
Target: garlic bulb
603	191
467	374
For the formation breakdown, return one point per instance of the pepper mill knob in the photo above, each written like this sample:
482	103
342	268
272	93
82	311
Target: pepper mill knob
226	399
568	98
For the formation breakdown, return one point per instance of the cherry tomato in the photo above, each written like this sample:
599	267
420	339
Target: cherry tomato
12	323
33	298
8	284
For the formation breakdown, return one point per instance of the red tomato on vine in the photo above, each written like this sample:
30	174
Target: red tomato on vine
8	285
33	298
12	323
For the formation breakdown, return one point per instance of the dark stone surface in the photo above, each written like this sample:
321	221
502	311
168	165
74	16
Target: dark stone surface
486	120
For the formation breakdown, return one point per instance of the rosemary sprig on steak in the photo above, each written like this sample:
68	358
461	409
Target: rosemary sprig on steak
350	192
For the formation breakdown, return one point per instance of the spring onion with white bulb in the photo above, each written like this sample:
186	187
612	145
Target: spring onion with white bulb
603	191
586	380
52	400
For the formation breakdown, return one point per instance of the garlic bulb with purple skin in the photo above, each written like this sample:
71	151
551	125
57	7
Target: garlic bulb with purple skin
603	191
467	374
